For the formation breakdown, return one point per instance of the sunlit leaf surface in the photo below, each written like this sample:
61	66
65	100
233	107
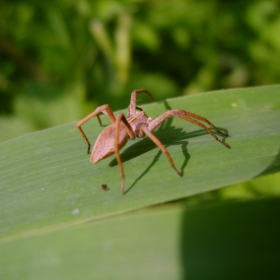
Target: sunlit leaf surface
48	183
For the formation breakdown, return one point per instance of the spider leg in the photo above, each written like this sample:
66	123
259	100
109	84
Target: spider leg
131	110
146	130
187	118
105	109
191	117
120	118
207	121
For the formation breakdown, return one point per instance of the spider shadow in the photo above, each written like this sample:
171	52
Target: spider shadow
146	145
156	158
165	133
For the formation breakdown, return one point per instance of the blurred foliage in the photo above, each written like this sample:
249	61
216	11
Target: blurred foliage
60	59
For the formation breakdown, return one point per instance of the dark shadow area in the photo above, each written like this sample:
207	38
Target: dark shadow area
233	240
155	159
145	145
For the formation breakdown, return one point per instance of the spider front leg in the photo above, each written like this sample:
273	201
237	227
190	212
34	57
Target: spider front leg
191	117
106	110
131	110
121	119
146	131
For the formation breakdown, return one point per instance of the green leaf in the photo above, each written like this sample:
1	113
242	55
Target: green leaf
167	242
48	183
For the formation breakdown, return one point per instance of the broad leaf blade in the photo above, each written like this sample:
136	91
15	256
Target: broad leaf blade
47	181
165	242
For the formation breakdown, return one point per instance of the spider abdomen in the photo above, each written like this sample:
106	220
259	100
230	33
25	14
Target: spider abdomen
105	143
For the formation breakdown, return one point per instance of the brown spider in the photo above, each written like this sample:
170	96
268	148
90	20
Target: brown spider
137	124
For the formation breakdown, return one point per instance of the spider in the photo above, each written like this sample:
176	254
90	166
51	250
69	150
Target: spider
137	124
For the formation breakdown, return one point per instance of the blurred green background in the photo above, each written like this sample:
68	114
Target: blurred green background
59	59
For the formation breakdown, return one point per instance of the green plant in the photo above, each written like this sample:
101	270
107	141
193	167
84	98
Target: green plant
53	210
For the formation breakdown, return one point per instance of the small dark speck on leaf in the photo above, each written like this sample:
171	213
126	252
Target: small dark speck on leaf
104	187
